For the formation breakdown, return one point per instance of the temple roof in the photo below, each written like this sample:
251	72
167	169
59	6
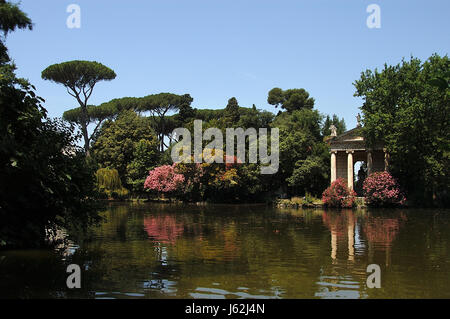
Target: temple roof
350	140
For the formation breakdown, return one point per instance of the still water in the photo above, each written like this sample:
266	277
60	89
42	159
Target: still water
173	251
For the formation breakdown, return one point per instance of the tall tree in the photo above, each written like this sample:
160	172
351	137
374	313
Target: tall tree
98	114
232	112
408	113
304	158
290	100
186	111
159	105
80	78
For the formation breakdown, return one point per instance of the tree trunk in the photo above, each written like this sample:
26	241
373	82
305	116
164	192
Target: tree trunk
86	139
162	134
84	131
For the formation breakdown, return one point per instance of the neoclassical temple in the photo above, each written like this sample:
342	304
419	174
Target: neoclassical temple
349	148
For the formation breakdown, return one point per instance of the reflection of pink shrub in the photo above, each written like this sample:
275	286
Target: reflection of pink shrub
381	230
381	189
163	229
164	179
339	195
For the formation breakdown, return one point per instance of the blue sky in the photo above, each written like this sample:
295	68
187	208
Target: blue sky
214	49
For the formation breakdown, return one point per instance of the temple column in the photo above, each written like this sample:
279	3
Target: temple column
386	159
350	169
369	163
333	166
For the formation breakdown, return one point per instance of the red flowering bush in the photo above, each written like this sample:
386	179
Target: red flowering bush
339	195
164	179
381	189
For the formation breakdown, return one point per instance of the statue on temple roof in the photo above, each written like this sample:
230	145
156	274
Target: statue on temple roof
333	130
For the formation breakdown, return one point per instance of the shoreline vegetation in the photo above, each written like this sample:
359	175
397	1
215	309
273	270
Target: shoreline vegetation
49	181
294	202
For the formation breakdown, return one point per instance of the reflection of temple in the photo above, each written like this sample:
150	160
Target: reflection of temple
340	278
342	227
379	233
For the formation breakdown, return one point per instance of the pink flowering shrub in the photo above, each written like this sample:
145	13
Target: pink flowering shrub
381	189
164	179
339	195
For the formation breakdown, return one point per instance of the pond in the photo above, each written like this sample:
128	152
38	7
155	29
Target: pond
242	251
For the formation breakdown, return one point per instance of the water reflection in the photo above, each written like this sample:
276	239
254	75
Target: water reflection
355	238
163	229
381	232
169	251
342	228
350	232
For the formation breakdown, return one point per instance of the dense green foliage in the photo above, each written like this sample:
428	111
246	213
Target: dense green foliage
109	183
159	105
216	182
48	182
47	186
77	75
302	151
145	158
232	112
11	19
45	180
407	108
290	100
128	145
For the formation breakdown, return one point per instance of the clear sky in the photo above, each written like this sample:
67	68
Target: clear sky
216	49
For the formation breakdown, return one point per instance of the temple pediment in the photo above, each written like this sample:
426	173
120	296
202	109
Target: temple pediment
351	140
